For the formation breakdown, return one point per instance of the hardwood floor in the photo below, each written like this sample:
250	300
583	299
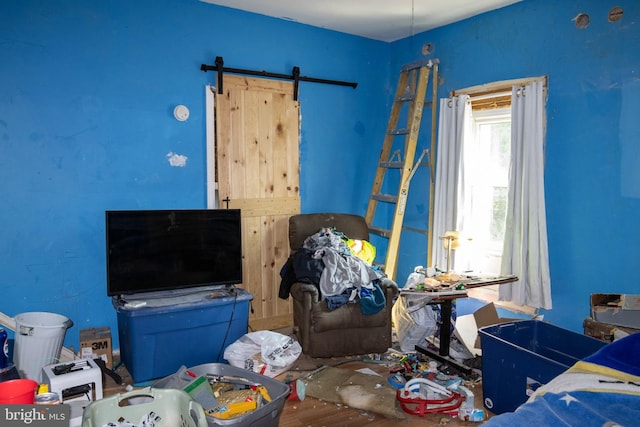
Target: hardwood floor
315	413
312	412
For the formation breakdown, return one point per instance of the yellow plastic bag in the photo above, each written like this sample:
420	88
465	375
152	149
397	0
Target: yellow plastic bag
362	249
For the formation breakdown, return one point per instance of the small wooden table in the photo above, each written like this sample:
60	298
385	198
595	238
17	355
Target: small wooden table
445	300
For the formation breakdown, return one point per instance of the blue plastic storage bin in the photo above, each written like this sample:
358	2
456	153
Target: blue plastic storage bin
158	336
519	357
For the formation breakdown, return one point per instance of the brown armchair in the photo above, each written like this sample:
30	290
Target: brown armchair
344	330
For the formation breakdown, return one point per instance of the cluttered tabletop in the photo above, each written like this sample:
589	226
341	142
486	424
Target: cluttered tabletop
442	285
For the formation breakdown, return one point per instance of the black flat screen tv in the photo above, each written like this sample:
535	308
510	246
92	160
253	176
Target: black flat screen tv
162	250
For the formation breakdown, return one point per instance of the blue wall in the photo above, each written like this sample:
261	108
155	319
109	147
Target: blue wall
87	91
593	141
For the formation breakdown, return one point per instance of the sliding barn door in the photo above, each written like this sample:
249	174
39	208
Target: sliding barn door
257	138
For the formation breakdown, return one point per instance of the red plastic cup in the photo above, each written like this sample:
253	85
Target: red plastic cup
298	390
22	391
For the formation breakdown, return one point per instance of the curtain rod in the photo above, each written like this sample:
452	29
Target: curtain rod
295	76
497	87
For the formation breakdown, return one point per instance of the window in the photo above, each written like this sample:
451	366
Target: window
471	191
486	168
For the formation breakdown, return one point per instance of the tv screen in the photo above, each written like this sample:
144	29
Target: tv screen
156	250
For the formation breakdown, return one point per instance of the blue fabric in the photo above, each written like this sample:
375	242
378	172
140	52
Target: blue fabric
622	355
372	301
307	268
337	301
576	408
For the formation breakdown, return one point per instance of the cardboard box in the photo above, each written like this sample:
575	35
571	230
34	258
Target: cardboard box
605	331
467	326
616	309
96	342
488	316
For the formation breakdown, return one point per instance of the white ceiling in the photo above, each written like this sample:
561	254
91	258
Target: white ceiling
386	20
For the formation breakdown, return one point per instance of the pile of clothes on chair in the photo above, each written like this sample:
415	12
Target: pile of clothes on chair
341	268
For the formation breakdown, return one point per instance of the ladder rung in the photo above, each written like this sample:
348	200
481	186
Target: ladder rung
392	165
415	230
410	98
399	131
406	98
421	63
389	198
382	232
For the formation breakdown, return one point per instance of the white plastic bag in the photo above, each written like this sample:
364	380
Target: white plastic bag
265	352
417	277
414	320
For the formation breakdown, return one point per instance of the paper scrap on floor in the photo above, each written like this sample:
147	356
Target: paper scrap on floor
356	390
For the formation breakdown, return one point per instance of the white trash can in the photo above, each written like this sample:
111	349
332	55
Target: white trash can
38	342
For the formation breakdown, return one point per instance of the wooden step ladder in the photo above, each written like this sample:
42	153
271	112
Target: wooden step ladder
409	101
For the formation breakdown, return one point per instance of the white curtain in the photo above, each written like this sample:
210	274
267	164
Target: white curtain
525	251
455	118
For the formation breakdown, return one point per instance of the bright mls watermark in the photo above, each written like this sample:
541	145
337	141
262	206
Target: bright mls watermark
34	415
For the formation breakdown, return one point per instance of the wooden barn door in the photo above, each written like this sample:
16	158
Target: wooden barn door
257	138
